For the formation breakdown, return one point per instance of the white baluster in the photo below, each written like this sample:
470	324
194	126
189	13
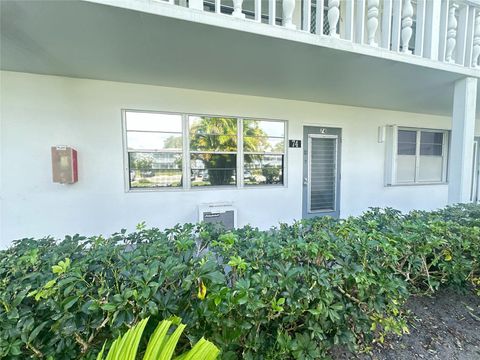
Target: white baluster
407	22
476	40
333	16
288	6
372	22
452	32
237	9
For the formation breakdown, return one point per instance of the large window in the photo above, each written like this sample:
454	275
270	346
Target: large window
419	156
192	151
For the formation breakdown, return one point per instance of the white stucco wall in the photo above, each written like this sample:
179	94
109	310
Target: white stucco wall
40	111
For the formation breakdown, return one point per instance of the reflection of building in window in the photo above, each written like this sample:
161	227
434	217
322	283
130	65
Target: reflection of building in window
264	149
213	157
154	146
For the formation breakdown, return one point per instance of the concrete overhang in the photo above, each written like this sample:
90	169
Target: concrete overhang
161	44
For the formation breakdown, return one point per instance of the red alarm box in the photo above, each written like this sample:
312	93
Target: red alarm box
64	165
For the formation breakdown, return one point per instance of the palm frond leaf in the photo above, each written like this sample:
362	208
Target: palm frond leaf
161	346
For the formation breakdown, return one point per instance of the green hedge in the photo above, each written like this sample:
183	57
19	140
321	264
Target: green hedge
288	293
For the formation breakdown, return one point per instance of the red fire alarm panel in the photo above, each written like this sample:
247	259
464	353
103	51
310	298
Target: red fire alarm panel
64	165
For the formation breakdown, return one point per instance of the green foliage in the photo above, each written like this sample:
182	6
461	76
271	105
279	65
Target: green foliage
291	292
216	134
143	162
220	134
161	345
271	173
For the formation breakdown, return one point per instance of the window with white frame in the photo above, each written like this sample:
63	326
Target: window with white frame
417	156
213	150
264	151
154	149
192	151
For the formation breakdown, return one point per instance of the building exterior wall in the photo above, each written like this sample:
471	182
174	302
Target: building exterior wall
41	111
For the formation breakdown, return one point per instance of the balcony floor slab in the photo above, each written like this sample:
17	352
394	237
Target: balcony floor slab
98	41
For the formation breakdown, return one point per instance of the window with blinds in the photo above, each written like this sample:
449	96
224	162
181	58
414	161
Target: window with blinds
417	156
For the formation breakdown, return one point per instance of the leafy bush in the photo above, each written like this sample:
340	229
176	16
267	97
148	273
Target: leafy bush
290	292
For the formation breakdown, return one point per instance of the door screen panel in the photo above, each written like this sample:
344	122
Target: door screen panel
323	174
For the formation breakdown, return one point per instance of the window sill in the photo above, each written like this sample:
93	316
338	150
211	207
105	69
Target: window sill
205	188
417	184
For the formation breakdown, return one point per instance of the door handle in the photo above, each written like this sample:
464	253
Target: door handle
305	181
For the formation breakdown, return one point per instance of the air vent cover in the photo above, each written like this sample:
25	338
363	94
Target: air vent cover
218	213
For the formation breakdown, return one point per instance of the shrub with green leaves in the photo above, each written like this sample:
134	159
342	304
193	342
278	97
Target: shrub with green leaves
291	292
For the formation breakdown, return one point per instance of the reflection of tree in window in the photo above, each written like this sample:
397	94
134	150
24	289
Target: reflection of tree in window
264	146
143	163
271	173
154	145
173	142
214	141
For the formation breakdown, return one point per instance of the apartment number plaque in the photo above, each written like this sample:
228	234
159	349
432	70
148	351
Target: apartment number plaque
295	143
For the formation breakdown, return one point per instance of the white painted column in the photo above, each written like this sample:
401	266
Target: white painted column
306	19
461	145
432	29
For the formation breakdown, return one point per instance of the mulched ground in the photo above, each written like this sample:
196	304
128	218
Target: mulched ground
446	327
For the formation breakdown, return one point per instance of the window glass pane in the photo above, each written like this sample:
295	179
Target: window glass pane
153	141
213	133
405	169
431	168
407	142
213	169
264	128
263	144
210	142
431	149
145	121
429	137
213	125
406	148
263	169
149	170
431	143
407	136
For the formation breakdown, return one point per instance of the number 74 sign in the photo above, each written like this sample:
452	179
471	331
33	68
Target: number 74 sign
295	143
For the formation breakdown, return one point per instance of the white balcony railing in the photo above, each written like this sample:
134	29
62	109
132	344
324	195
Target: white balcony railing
444	30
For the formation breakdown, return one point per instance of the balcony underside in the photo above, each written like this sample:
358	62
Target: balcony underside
88	40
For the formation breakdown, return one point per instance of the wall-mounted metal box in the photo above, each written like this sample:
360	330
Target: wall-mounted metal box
220	213
64	165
